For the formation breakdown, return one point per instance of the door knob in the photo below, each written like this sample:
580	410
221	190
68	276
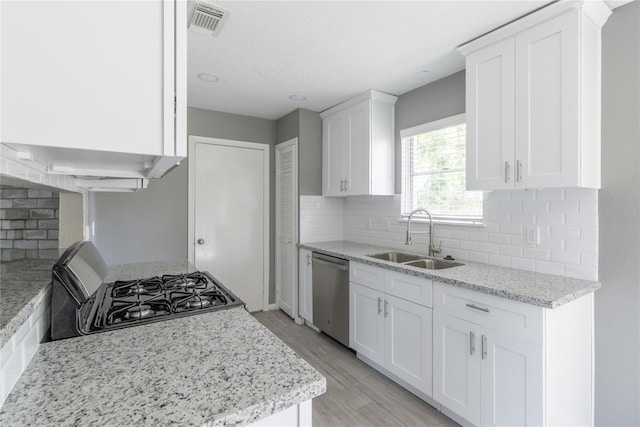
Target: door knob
200	241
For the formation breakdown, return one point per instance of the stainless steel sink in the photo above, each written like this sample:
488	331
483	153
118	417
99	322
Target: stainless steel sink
398	257
413	260
433	264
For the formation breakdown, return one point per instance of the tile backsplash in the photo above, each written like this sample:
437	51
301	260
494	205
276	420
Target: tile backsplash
29	224
567	220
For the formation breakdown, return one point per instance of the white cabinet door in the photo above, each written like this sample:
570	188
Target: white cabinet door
456	367
305	285
91	75
537	86
408	336
366	322
511	380
548	103
358	146
356	168
334	137
490	117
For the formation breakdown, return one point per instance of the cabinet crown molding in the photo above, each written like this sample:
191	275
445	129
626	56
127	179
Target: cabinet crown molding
370	94
596	10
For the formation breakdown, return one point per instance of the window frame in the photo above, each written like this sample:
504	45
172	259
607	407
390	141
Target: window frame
406	172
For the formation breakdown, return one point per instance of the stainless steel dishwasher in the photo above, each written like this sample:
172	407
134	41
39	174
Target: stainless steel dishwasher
331	296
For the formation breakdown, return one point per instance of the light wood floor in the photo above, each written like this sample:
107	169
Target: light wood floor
357	395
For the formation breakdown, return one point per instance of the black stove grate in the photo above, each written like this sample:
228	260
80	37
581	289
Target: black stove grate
128	303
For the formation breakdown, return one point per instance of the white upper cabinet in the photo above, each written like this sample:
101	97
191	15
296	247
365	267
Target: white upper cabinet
533	100
358	146
94	88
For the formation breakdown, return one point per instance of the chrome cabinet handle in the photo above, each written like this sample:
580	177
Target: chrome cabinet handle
475	307
346	184
472	343
484	347
506	172
308	259
200	241
386	305
342	185
518	171
379	305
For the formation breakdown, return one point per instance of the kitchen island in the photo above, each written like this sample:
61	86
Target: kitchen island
24	285
215	368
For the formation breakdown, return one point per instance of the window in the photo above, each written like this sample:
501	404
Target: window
433	172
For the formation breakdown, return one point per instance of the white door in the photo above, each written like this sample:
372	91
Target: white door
408	342
490	117
334	142
305	285
511	381
366	322
456	366
229	187
286	227
547	121
356	159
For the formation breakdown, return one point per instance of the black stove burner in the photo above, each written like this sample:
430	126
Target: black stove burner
139	312
198	303
125	303
136	287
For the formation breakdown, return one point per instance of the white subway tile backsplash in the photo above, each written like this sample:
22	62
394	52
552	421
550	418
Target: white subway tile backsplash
582	272
20	349
589	260
550	194
582	220
589	233
501	260
550	268
523	264
567	220
564	206
502	239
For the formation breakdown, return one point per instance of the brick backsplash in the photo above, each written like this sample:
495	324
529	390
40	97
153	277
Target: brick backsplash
567	219
28	224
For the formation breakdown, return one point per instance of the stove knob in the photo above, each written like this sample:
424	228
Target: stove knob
200	241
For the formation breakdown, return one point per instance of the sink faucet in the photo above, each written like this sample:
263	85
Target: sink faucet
432	250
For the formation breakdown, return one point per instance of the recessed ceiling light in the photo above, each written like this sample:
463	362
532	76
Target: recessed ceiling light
210	78
422	75
297	97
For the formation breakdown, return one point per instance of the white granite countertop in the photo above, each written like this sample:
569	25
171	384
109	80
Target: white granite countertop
220	368
543	290
24	285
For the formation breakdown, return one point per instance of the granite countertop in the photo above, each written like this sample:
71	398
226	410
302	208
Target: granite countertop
543	290
24	285
218	368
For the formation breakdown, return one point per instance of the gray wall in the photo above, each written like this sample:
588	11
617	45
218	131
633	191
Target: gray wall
149	225
152	224
306	125
434	101
617	304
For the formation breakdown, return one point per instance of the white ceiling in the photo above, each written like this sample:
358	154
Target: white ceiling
330	51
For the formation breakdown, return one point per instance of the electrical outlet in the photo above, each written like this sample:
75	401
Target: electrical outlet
533	235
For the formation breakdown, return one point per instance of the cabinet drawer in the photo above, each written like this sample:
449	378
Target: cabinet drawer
500	314
411	288
367	275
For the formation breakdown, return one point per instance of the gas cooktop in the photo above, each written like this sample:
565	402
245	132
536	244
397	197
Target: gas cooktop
129	303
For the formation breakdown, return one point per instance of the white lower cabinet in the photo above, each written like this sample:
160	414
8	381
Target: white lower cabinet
486	377
391	332
502	362
305	285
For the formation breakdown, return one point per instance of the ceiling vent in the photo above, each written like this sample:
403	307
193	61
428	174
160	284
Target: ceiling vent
207	19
